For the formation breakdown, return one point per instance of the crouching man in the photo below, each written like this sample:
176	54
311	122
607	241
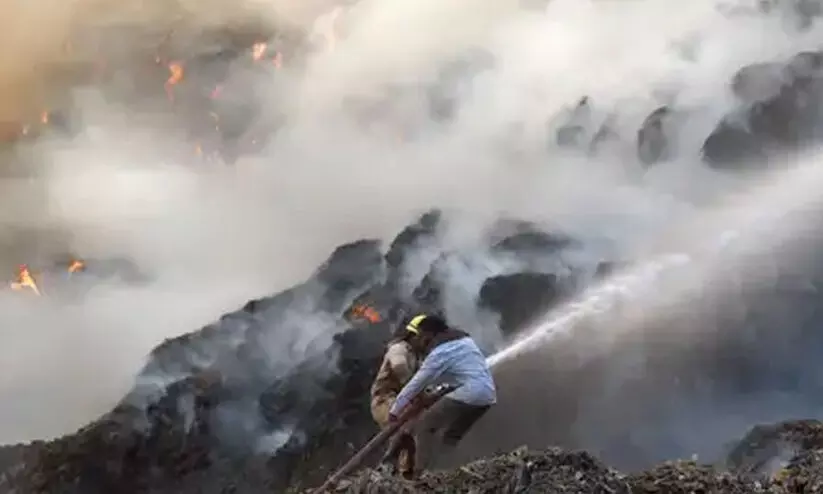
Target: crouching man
399	364
452	357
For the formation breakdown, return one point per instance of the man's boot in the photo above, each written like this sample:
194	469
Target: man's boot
406	460
388	464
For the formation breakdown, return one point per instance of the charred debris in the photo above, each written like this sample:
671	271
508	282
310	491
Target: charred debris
782	458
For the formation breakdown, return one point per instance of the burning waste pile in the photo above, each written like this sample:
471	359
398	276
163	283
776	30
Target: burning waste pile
223	410
215	411
202	80
206	82
272	397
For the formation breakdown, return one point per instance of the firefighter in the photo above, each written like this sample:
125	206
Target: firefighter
399	364
451	357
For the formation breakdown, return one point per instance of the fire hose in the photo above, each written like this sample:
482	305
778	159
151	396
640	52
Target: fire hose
425	401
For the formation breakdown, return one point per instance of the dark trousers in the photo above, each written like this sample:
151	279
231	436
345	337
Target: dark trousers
440	429
403	450
451	419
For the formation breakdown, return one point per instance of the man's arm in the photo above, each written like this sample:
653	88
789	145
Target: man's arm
433	367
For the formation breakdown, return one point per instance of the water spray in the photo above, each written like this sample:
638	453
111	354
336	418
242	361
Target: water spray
786	192
596	300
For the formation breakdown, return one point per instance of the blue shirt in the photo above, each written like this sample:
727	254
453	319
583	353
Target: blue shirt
458	362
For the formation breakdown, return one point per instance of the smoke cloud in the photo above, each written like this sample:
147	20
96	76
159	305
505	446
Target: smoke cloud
359	154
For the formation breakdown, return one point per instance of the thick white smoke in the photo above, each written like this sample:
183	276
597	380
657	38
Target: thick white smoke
211	237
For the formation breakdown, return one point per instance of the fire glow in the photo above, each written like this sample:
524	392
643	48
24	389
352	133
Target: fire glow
175	76
76	266
174	72
25	279
367	313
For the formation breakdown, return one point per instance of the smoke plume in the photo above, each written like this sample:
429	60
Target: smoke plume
359	152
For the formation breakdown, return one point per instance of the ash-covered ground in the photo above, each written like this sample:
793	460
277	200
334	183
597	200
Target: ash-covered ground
542	182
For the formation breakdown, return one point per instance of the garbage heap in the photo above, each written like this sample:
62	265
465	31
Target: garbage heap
756	464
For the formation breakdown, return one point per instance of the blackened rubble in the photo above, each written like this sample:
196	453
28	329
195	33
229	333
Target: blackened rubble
557	471
521	471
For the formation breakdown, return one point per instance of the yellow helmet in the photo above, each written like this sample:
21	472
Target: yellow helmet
414	324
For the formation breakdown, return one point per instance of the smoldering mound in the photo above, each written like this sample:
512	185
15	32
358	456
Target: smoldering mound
494	138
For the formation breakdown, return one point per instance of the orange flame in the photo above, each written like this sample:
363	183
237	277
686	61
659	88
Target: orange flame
25	280
44	118
366	312
76	266
176	75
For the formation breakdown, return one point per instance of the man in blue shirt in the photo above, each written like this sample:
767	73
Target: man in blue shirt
452	357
